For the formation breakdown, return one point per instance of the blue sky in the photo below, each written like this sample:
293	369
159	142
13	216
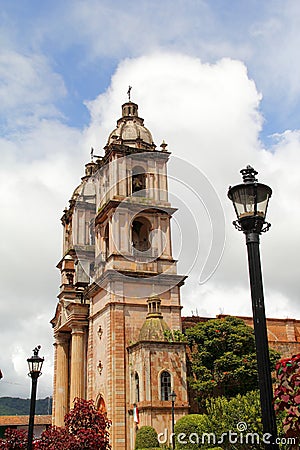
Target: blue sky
83	42
218	80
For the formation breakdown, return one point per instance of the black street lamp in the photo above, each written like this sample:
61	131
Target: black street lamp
35	366
172	397
250	201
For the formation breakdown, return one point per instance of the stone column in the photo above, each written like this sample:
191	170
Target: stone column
61	379
77	362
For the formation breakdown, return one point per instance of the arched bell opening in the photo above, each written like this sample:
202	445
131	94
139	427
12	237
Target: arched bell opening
138	179
141	228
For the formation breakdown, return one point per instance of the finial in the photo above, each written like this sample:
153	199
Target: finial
249	174
36	350
93	155
128	92
163	146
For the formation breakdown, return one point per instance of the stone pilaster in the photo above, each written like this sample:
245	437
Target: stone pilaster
61	393
117	379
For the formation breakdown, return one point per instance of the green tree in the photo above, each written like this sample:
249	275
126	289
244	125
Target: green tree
223	358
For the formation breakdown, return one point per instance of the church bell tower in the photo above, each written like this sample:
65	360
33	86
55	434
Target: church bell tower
119	302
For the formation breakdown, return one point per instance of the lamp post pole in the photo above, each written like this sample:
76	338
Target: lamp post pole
32	410
173	399
35	365
250	201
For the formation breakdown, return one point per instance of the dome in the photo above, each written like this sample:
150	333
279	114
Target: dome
154	326
84	191
131	130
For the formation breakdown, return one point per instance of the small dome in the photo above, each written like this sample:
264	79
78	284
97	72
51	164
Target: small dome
85	189
153	329
154	326
131	130
77	192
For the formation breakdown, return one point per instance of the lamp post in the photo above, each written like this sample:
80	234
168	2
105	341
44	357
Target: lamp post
250	201
173	396
35	366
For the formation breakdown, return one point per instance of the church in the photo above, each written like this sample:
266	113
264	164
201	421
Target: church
118	314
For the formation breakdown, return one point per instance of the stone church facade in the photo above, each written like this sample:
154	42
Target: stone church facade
119	297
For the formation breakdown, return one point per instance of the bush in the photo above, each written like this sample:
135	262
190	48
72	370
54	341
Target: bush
287	395
14	440
223	415
85	427
146	437
188	429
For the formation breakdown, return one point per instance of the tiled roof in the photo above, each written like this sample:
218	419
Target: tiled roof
23	420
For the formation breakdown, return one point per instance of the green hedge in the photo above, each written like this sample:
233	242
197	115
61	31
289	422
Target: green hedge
188	426
146	437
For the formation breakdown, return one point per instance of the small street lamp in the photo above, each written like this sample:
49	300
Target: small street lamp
35	366
250	200
172	397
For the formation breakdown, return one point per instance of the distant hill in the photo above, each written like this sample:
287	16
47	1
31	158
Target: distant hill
10	406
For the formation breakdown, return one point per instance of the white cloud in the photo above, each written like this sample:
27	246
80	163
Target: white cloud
36	179
28	89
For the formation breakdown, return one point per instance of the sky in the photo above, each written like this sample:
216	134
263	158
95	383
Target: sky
219	81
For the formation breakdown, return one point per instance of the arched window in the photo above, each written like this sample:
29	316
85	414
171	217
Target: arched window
138	179
137	387
140	234
165	385
106	241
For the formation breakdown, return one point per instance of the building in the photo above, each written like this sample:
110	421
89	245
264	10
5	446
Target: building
120	292
41	422
283	334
